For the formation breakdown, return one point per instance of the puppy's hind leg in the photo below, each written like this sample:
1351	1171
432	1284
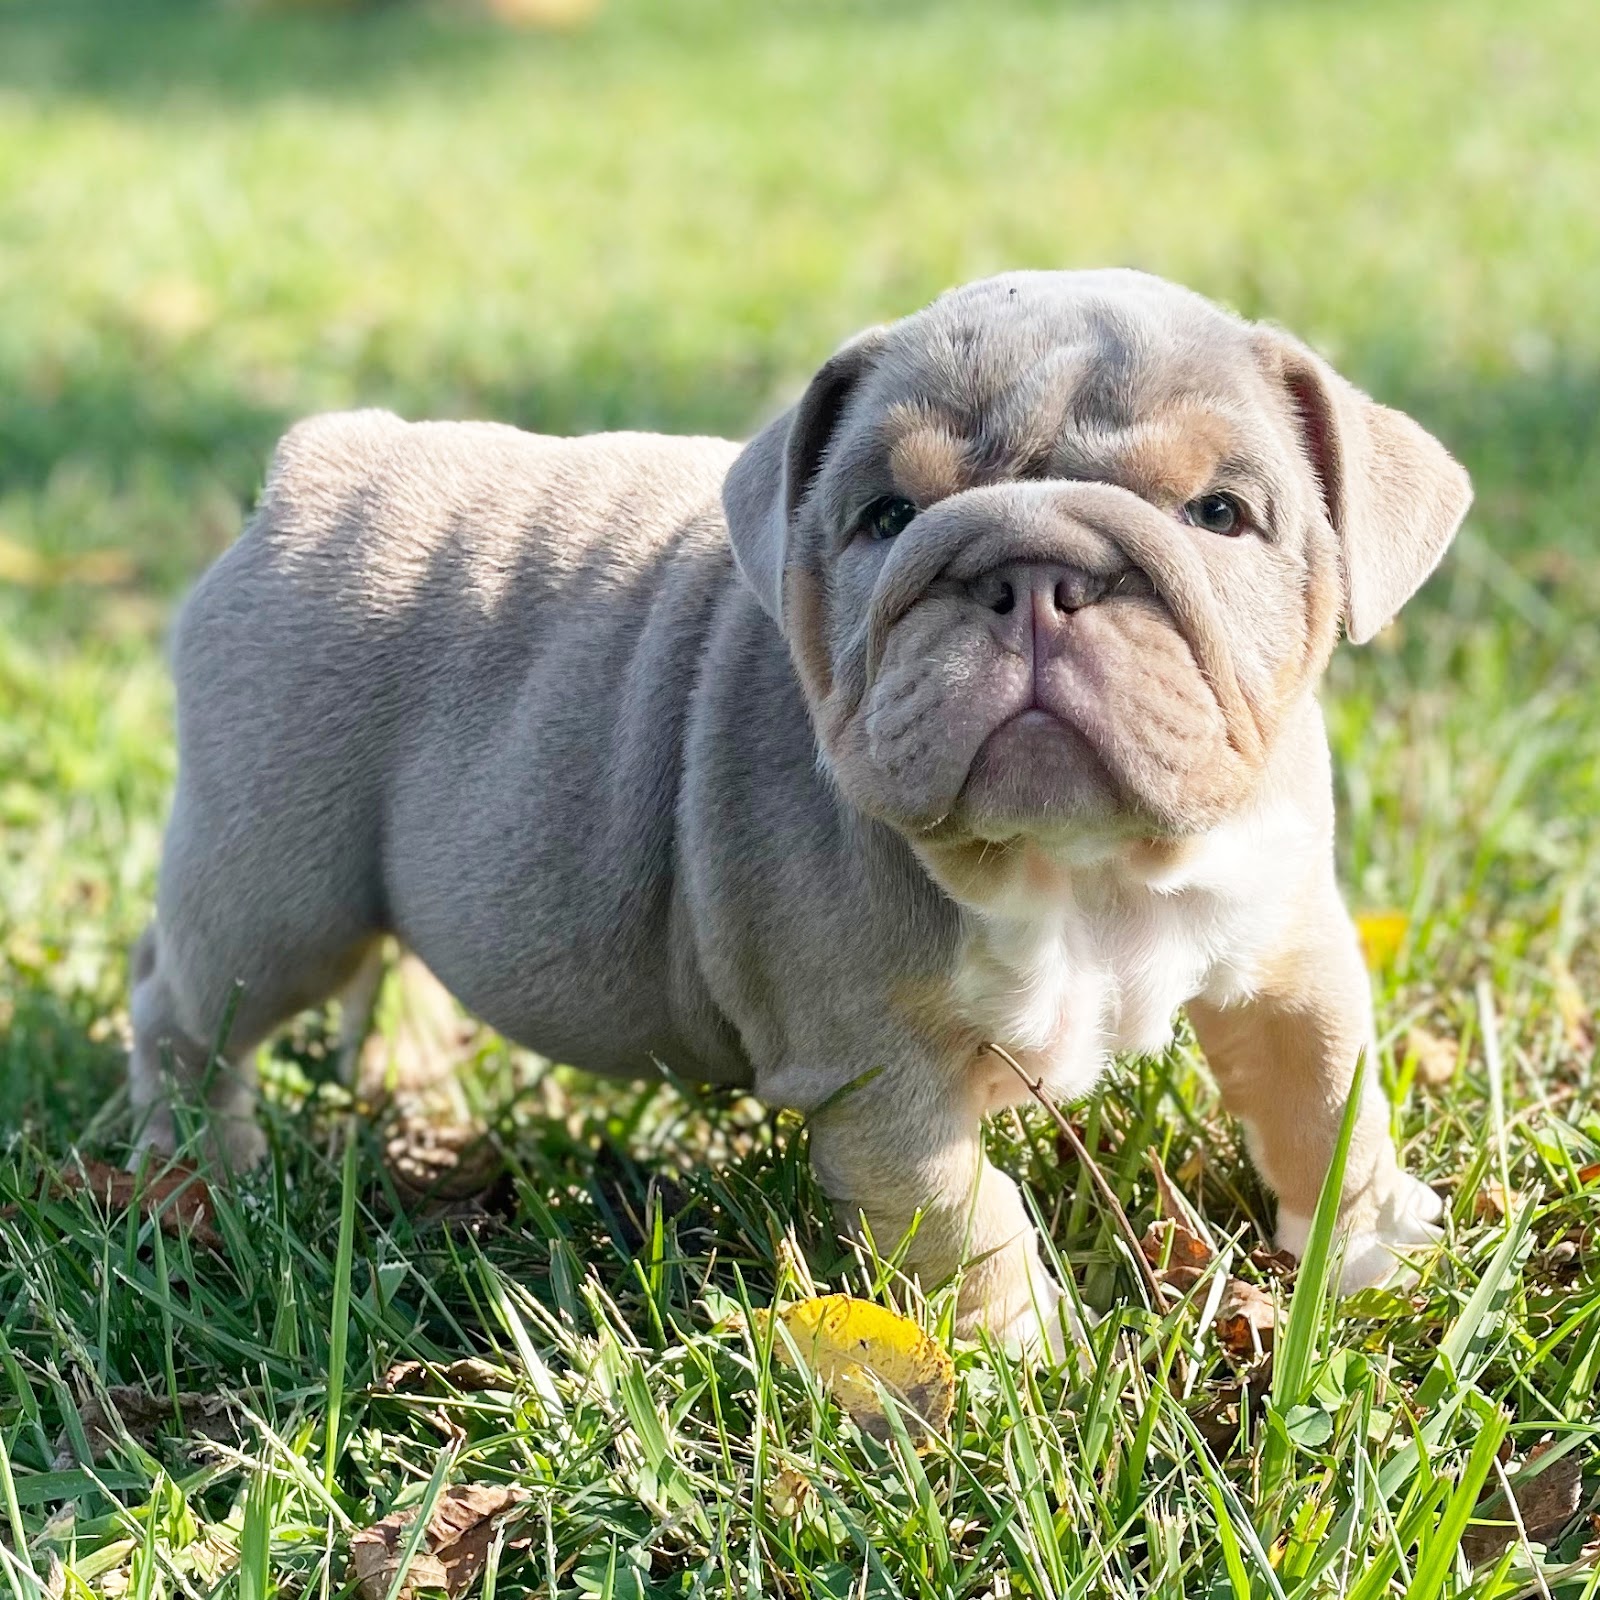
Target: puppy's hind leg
199	1013
169	1053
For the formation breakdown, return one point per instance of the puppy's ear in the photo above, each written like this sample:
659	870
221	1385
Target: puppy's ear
1393	494
770	476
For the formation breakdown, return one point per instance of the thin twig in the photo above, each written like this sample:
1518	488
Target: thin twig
1521	1526
1037	1089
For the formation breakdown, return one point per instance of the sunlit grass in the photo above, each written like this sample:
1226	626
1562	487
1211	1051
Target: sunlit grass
212	221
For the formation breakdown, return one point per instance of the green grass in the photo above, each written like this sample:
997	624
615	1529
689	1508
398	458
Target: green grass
213	221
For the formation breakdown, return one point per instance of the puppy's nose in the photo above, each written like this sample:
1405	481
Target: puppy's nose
1037	594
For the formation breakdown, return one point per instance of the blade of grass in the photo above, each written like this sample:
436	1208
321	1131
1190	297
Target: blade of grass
19	1532
419	1523
1464	1348
1442	1542
339	1333
1291	1362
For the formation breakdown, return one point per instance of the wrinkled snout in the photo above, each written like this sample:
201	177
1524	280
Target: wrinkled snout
1028	606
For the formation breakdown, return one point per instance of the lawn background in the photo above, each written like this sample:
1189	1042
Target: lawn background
213	221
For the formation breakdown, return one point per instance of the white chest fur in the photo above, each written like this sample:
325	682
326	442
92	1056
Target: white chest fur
1073	960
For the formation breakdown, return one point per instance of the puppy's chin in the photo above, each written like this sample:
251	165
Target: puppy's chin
1038	776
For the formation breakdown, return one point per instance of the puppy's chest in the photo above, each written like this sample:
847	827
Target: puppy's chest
1064	987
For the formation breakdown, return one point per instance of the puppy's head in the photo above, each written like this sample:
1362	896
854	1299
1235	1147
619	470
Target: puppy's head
1055	556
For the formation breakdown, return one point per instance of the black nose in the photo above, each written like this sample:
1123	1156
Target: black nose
1063	589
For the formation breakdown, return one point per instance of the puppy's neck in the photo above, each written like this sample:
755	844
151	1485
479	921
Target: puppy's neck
1024	878
1069	954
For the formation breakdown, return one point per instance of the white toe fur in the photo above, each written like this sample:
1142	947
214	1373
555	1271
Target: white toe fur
1406	1223
1049	1330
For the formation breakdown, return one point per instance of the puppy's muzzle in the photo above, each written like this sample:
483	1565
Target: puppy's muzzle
1034	555
1029	604
1044	591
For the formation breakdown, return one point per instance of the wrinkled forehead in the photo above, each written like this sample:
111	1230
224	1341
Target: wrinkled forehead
1127	379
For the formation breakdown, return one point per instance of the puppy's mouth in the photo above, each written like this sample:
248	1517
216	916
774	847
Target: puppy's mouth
1049	760
1037	773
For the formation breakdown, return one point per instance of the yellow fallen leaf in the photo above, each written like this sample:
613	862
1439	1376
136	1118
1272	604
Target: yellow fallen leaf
1382	933
849	1343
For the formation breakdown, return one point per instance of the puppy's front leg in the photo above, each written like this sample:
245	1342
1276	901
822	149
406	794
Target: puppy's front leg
908	1146
1285	1059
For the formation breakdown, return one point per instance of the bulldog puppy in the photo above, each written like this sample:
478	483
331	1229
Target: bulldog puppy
973	700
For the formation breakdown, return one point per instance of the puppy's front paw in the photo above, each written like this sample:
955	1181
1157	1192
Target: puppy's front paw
1046	1329
1375	1255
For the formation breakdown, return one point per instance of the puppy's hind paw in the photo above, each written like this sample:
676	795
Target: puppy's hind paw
228	1146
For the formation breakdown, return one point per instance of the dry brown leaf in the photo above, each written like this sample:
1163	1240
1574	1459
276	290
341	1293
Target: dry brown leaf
1589	1173
1278	1265
467	1376
1246	1321
144	1415
789	1494
1546	1504
1491	1202
1181	1280
1175	1203
1217	1415
1177	1244
1434	1059
1218	1420
177	1197
451	1553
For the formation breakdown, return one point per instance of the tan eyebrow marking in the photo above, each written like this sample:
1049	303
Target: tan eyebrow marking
928	458
1171	458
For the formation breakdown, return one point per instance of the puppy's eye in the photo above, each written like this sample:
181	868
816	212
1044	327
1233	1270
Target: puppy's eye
885	518
1216	513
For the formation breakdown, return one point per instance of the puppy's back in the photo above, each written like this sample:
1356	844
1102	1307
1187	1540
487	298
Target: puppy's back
445	666
370	512
383	555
